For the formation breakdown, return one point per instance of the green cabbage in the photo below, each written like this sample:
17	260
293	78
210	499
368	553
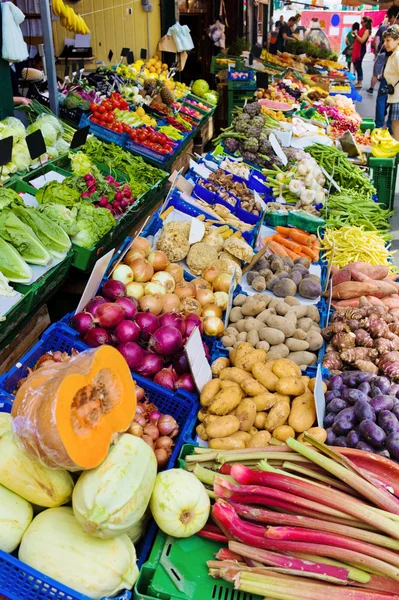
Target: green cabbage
12	265
62	146
14	127
58	193
65	217
52	236
22	237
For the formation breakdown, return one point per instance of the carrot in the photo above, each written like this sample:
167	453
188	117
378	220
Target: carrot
309	252
300	238
292	254
284	231
277	249
288	244
268	239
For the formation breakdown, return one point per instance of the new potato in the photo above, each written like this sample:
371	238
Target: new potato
290	386
223	426
226	400
246	413
265	376
277	416
259	440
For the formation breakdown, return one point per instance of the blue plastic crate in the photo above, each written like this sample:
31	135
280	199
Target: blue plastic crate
103	133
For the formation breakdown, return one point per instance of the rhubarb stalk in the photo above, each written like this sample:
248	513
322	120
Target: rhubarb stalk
355	574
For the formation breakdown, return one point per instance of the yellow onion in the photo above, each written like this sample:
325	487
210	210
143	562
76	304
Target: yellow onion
201	284
135	290
123	273
154	287
213	326
142	245
151	303
170	303
142	270
165	279
158	260
221	299
205	296
176	271
185	289
210	274
222	283
190	305
132	255
211	310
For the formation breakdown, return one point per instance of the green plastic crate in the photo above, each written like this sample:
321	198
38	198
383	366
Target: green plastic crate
15	315
237	98
218	66
274	218
46	168
367	124
384	173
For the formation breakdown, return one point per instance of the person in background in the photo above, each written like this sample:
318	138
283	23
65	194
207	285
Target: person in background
280	22
380	57
284	33
349	40
381	101
391	74
18	99
300	30
360	47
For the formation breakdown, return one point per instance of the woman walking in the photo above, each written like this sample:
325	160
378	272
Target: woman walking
349	40
359	48
391	74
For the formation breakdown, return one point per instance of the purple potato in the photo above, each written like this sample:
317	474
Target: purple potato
335	383
356	395
346	374
352	439
330	436
340	441
388	421
395	410
352	381
331	394
383	383
344	421
379	403
365	387
364	411
364	446
329	419
394	400
364	377
345	392
392	445
336	405
394	390
372	434
375	392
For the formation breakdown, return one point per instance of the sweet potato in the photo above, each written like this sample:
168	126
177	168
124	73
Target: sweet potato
375	272
355	289
341	276
391	301
355	302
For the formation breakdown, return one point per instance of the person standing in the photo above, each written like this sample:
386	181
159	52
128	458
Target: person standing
380	56
381	101
349	40
359	48
284	33
391	74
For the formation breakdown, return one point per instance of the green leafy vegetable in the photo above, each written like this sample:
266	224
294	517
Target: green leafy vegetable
52	236
7	196
5	288
58	193
23	238
93	224
62	215
12	265
82	165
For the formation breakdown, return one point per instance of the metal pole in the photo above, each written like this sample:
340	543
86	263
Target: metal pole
45	16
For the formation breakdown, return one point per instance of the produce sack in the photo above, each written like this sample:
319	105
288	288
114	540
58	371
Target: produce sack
68	414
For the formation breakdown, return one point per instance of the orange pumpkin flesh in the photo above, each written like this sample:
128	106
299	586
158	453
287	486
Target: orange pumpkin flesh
69	416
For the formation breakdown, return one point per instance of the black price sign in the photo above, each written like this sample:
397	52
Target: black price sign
67	70
262	80
256	51
80	137
251	59
143	54
36	145
5	150
81	64
74	67
110	55
125	52
130	58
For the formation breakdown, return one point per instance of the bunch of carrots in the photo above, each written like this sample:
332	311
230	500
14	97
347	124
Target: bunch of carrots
295	243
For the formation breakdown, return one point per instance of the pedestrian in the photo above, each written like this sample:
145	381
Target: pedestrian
381	102
391	74
284	33
360	47
349	40
380	56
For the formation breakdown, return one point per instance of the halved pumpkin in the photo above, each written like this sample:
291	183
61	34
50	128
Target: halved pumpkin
68	415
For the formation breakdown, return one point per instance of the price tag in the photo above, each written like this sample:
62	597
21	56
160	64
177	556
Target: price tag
5	150
197	231
262	79
319	397
259	199
184	185
110	55
143	54
200	369
80	137
278	149
95	279
256	51
330	179
329	267
130	58
36	145
230	301
124	52
200	169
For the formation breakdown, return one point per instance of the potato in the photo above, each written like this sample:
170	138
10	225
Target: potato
300	311
271	336
265	376
260	419
242	337
259	440
264	401
223	426
291	318
228	341
302	358
291	300
245	413
226	443
282	308
305	323
310	288
202	414
209	391
232	331
286	368
245	436
252	307
262	346
274	302
226	384
209	419
242	349
253	324
253	338
219	364
282	324
283	432
226	400
279	351
277	416
235	314
313	313
265	313
300	334
312	384
281	398
303	412
290	386
201	432
248	360
234	374
314	340
284	287
239	300
252	431
269	364
305	380
240	325
252	387
295	345
318	433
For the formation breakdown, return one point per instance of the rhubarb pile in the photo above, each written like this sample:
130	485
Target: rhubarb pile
290	517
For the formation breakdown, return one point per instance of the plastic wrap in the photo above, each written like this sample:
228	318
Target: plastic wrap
66	414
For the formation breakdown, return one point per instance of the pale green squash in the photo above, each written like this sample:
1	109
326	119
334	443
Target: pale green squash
15	517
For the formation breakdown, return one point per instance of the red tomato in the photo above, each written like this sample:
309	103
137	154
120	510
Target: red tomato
101	109
93	107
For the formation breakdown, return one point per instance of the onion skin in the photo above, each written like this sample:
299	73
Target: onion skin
185	289
141	244
108	315
191	306
221	299
192	321
201	284
205	297
148	323
213	326
166	280
181	364
139	393
166	341
164	442
132	255
113	289
154	288
152	431
152	304
211	310
122	274
210	274
170	303
134	289
127	331
158	260
83	321
176	271
150	365
132	353
142	270
166	378
222	283
166	425
135	429
162	457
93	304
128	305
148	440
186	382
96	336
173	320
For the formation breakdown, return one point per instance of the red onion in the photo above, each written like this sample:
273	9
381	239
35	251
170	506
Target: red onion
93	304
148	323
133	354
166	378
166	425
186	382
192	321
82	322
127	331
181	364
154	416
113	289
96	336
128	305
206	350
166	341
173	320
108	315
150	365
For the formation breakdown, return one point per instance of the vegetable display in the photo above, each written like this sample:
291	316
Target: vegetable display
354	243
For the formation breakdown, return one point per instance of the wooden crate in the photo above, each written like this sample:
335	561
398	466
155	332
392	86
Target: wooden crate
182	161
204	136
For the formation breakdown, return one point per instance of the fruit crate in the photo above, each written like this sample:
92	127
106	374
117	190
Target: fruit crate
217	66
15	315
367	124
384	173
238	98
103	133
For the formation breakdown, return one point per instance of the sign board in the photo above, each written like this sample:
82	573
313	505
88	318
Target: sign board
110	55
330	179
143	54
36	145
200	369
125	52
95	279
262	79
319	397
5	150
278	149
230	300
130	58
80	137
197	230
